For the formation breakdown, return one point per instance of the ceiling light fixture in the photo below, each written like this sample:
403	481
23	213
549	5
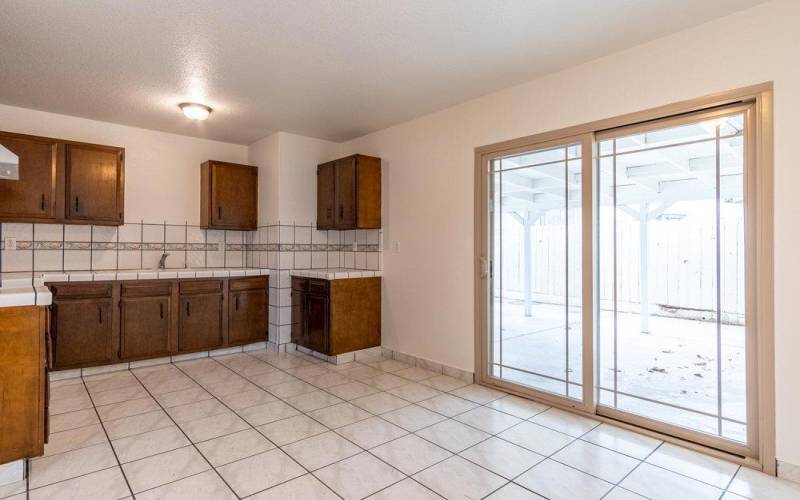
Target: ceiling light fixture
195	111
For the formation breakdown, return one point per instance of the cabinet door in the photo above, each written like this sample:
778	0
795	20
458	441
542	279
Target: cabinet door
200	322
346	193
94	184
317	322
144	327
82	332
326	195
27	178
234	196
247	313
299	317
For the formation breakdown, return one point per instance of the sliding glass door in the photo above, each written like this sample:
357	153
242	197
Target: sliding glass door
619	270
672	344
536	204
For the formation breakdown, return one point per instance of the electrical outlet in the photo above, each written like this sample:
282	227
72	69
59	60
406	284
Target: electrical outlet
10	243
396	246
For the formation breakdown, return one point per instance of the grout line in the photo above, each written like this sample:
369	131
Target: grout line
249	424
108	440
191	443
314	362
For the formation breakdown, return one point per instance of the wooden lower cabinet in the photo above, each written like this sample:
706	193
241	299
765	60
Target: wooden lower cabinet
83	325
337	316
146	325
23	382
99	323
247	310
201	311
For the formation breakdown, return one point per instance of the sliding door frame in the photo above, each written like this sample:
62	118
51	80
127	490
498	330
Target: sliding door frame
761	289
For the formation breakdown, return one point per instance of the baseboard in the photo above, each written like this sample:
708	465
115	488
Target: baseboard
427	364
790	472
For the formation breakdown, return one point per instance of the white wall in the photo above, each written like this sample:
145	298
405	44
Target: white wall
162	171
266	155
428	167
288	191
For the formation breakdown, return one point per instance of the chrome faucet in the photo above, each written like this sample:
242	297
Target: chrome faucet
162	262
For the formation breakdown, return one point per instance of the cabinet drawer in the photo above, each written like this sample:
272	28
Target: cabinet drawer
300	284
201	286
318	286
254	283
146	289
81	290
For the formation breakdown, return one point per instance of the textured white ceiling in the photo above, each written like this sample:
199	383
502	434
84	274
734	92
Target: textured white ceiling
334	69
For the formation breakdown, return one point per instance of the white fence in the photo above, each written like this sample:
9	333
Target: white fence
681	260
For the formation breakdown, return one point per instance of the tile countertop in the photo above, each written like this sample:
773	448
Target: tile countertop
27	289
337	273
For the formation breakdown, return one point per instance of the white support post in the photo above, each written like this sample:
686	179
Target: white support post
644	298
527	279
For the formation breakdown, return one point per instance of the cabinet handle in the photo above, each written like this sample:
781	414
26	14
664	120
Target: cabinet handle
100	314
77	204
237	302
42	202
188	311
341	211
219	213
161	310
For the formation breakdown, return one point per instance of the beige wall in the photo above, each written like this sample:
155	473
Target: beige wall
428	166
162	171
265	153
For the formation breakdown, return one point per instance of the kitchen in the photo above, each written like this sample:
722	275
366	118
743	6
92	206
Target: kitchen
398	250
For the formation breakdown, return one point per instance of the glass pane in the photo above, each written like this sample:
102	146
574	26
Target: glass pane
536	284
9	164
671	343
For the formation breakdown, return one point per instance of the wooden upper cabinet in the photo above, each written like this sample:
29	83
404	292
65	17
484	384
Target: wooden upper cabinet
228	196
325	195
349	193
30	195
60	181
95	184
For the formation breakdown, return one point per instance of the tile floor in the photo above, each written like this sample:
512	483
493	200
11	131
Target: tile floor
274	426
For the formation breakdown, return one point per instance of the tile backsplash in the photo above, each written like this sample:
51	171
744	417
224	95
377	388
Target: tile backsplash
139	245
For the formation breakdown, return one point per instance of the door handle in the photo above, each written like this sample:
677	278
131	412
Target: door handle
42	202
484	268
161	310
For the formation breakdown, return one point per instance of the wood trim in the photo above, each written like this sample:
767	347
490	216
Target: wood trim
761	97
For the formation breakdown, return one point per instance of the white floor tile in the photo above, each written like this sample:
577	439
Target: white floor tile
695	465
759	486
564	421
371	432
622	440
459	478
661	484
226	449
502	457
406	489
536	438
453	436
305	487
289	430
410	454
559	482
260	472
321	450
513	491
71	464
488	420
165	468
204	486
107	483
358	476
413	418
597	461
